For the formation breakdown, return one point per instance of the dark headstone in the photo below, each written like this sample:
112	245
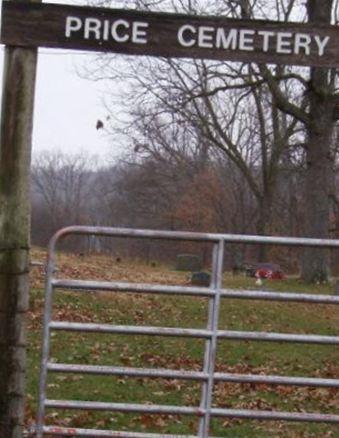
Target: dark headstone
188	262
201	279
336	291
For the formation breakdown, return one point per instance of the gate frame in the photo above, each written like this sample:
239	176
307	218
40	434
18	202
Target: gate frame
208	376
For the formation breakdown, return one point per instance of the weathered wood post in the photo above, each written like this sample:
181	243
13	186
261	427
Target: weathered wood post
15	158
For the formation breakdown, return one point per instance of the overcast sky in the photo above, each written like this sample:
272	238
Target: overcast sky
67	107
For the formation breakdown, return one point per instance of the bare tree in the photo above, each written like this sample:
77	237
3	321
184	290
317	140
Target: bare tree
62	192
216	97
215	106
319	121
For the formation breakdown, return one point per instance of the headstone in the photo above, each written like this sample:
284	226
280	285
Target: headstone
201	279
188	262
336	291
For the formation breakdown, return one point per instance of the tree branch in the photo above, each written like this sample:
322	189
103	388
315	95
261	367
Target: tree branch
281	101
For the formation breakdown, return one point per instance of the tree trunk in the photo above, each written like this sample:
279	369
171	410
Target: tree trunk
264	222
15	152
315	263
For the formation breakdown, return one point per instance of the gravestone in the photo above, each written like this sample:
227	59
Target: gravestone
201	279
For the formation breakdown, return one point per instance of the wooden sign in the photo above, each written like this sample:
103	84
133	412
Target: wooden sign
168	35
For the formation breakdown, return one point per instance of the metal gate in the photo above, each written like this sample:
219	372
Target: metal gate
211	334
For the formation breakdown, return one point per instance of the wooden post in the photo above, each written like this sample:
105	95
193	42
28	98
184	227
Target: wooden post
15	158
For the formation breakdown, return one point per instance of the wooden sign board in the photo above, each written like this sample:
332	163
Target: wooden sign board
168	35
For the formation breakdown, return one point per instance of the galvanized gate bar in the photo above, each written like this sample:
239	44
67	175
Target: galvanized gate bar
277	380
293	297
278	337
133	287
130	330
192	236
45	343
85	285
124	407
211	344
191	375
276	416
193	333
211	334
189	410
127	371
63	431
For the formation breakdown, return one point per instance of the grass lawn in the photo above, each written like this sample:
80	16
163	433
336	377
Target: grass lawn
142	351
